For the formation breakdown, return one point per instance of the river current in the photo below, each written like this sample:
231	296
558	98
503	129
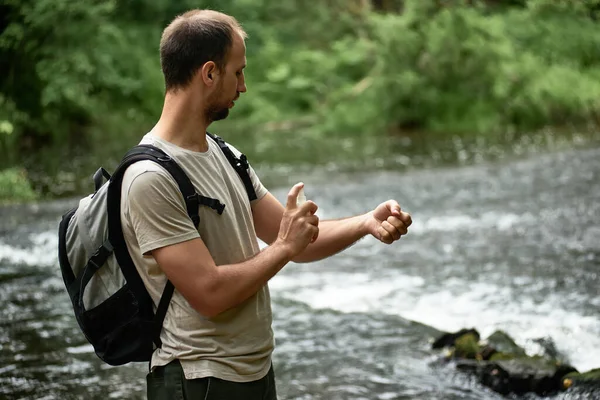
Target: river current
511	245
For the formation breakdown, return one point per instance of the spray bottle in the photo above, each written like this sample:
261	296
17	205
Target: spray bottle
301	199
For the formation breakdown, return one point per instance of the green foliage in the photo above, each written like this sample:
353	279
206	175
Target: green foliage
457	70
14	186
85	74
584	8
68	64
451	69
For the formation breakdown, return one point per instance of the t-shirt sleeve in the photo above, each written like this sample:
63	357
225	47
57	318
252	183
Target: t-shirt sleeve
157	211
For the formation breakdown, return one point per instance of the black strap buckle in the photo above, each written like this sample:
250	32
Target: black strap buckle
101	254
243	161
212	203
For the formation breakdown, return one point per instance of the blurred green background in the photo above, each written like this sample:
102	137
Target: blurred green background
333	81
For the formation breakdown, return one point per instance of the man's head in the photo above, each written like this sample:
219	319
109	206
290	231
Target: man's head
204	50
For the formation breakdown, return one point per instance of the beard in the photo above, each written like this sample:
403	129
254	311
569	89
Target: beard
218	108
217	114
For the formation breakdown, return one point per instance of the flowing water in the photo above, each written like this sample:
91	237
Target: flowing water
511	245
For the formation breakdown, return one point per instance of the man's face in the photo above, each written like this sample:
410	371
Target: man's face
230	83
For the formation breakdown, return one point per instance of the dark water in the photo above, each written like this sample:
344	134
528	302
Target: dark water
513	245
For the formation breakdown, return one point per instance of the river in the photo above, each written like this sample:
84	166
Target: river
511	245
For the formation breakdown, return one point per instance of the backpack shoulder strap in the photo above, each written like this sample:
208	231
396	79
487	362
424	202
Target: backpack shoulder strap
115	230
152	153
239	164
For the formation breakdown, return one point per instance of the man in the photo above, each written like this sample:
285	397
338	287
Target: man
217	339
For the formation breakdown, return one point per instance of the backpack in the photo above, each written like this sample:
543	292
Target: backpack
111	304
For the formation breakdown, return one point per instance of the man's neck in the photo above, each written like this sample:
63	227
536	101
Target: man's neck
182	123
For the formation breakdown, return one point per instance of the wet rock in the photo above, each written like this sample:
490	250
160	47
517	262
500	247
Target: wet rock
590	379
500	341
517	376
549	348
448	339
467	346
500	364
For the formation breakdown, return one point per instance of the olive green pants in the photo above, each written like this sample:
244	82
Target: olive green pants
169	383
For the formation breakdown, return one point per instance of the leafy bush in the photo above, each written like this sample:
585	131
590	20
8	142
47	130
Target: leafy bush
14	186
85	75
458	70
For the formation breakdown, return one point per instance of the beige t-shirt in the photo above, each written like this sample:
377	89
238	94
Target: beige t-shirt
237	344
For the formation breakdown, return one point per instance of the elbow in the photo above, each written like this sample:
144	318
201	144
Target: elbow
207	308
209	312
207	301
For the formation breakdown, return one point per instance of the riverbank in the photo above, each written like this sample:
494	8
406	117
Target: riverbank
280	157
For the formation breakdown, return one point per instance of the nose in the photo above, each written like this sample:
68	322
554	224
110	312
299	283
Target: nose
242	84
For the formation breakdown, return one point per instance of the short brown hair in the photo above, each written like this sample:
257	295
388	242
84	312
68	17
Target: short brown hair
191	40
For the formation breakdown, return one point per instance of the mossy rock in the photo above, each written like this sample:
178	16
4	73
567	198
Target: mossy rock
589	377
528	366
592	375
500	364
467	346
447	339
505	344
499	356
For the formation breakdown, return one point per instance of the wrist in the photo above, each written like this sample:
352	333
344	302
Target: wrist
366	222
284	249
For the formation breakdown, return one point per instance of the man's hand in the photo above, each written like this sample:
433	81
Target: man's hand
299	225
388	222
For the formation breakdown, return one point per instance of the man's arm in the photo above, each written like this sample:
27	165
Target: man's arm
387	223
212	289
334	236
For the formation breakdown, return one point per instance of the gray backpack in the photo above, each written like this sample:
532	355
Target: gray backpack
111	304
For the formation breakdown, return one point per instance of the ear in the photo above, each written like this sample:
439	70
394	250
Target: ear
209	72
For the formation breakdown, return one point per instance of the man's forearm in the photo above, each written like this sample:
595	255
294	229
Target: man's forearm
235	283
334	236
